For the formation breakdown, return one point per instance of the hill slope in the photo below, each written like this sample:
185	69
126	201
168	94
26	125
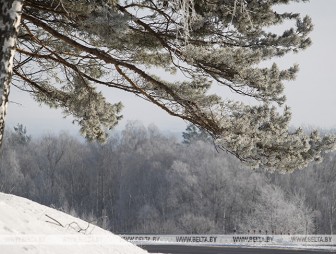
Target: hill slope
28	227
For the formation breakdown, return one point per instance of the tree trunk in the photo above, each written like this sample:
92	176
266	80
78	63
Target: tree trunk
10	16
331	215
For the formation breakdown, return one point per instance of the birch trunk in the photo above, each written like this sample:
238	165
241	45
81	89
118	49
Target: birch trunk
10	16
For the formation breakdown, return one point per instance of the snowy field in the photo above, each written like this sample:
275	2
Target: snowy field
28	227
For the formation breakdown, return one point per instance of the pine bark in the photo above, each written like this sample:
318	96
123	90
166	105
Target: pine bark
10	15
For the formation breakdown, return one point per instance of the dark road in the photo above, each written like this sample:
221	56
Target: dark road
187	249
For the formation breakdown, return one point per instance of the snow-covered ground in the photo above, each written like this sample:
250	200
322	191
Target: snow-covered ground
28	227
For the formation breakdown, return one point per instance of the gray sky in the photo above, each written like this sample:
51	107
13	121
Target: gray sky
311	97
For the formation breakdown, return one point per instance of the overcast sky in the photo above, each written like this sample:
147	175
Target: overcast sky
312	96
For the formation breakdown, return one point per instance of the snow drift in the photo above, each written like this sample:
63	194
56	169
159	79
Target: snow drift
28	227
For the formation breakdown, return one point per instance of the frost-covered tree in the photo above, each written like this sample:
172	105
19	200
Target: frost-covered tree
273	212
10	12
192	134
66	48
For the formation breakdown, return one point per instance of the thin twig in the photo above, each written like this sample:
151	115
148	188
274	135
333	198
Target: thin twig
56	222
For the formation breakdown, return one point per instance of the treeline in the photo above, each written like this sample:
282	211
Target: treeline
142	181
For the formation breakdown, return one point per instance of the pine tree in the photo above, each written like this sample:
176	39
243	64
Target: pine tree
192	133
66	48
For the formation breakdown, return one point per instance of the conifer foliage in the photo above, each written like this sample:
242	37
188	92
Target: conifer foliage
66	48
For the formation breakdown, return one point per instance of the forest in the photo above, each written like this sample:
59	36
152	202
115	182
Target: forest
145	181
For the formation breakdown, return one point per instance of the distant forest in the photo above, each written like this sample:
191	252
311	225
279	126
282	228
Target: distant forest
143	181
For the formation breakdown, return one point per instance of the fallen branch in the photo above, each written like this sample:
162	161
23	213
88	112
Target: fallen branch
56	222
79	229
73	225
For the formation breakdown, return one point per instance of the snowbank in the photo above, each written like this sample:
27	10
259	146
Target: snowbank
28	227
